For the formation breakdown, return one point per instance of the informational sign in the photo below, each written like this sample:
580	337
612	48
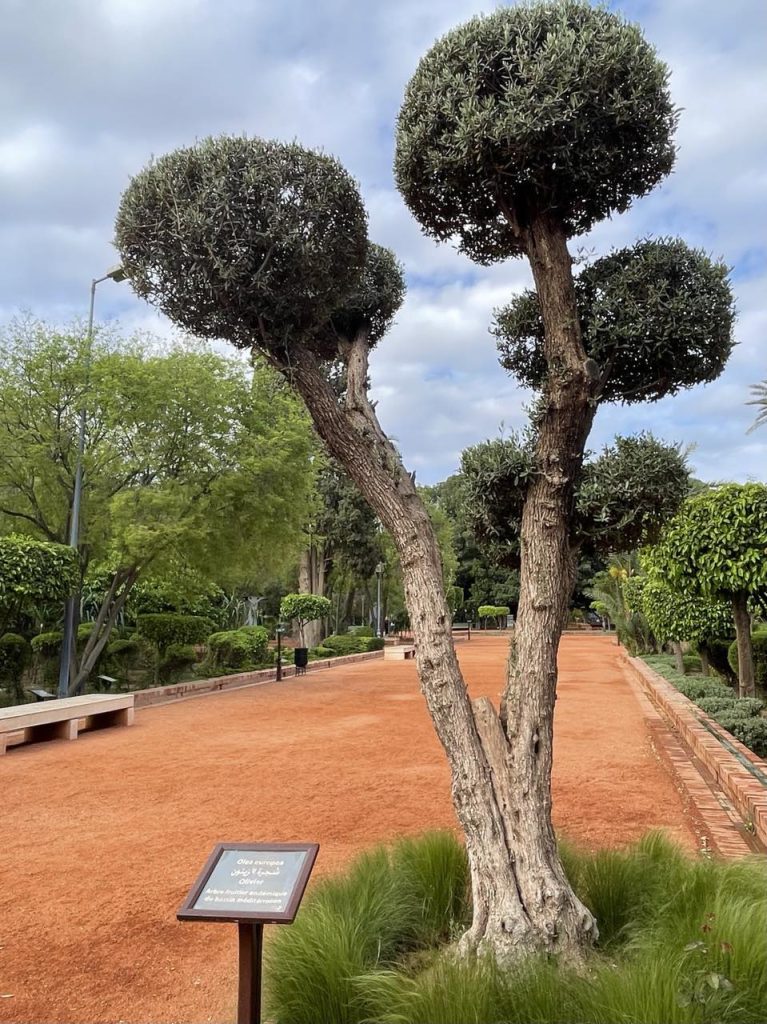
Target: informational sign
251	882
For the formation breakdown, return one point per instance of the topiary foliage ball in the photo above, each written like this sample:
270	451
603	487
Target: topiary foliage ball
371	307
658	316
243	239
555	107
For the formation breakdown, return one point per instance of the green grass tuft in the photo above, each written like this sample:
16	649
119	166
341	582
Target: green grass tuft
682	941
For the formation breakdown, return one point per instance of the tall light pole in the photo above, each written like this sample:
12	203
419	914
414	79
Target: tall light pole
116	274
380	569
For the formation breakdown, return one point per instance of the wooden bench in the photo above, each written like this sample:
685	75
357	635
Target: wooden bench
399	652
63	719
459	628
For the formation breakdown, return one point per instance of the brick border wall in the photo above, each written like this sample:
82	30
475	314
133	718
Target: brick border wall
196	687
747	793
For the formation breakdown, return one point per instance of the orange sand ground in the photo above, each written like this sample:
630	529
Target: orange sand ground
102	837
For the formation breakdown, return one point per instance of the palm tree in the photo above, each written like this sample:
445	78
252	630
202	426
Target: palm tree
760	398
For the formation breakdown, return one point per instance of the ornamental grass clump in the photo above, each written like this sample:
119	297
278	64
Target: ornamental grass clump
681	941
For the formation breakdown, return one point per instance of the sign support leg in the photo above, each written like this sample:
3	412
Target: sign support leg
251	938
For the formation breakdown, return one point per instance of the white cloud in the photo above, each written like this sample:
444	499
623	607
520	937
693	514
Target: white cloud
89	89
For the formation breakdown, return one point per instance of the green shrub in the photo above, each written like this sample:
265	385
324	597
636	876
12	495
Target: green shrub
718	651
177	659
692	663
47	645
361	631
349	644
320	652
697	688
759	644
751	731
493	611
238	648
166	628
15	657
349	956
713	705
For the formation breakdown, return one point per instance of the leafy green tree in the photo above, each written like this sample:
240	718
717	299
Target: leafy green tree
190	458
518	130
676	617
304	608
715	548
32	572
615	595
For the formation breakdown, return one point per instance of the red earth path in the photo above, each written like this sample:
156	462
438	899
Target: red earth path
101	838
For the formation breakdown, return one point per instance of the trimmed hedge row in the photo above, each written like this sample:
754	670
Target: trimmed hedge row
238	648
350	644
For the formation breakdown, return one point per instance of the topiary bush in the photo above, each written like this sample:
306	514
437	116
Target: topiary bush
166	628
15	658
718	651
361	631
759	643
46	645
178	658
320	652
347	644
238	649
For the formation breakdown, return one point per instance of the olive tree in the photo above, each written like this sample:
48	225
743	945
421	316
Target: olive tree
715	548
518	131
265	245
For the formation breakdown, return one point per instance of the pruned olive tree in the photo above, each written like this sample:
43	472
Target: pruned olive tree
518	131
265	245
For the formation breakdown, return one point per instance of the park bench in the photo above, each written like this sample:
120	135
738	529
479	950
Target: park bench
63	719
462	628
399	652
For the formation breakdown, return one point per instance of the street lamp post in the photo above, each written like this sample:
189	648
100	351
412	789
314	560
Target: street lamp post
116	274
380	569
279	630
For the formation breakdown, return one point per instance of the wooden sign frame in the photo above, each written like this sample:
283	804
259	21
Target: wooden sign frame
188	911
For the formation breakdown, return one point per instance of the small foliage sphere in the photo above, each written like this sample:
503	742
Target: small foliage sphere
555	107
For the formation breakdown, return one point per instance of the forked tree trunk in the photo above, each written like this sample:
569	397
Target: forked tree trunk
311	580
740	612
521	899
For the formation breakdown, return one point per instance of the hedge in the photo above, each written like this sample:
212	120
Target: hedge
166	628
348	644
752	732
177	658
15	656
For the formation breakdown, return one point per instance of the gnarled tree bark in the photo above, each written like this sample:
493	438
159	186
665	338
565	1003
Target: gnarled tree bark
742	616
521	899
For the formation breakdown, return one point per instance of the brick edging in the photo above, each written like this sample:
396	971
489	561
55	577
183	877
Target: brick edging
747	793
198	687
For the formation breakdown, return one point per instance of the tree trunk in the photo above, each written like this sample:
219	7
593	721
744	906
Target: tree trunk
113	603
705	664
308	583
740	612
521	899
547	580
676	647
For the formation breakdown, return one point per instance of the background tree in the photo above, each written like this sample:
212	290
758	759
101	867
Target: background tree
33	573
676	617
715	548
518	130
304	609
190	457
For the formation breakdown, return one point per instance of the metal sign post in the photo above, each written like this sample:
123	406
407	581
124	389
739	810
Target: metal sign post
251	884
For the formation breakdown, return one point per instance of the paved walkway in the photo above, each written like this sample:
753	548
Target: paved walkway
103	836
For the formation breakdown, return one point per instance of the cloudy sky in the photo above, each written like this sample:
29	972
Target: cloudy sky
90	89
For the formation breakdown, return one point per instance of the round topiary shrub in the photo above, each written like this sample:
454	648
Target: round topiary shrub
759	644
46	645
166	628
235	649
177	659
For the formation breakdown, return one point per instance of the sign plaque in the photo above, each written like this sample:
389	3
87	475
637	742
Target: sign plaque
251	884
